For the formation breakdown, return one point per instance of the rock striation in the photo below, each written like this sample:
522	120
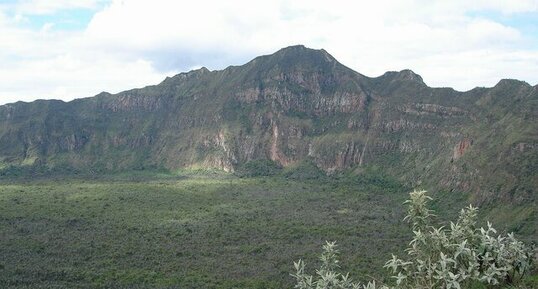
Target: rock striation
296	105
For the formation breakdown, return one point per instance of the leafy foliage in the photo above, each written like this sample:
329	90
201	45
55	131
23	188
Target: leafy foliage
449	257
326	276
439	257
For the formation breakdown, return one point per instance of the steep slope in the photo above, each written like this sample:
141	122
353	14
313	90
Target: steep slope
295	105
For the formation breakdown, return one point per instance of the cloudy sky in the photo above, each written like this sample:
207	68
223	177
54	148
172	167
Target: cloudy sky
65	49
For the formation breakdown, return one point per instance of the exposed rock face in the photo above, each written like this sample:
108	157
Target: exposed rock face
295	104
461	147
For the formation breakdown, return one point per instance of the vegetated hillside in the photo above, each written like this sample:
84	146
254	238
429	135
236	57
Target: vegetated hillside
295	105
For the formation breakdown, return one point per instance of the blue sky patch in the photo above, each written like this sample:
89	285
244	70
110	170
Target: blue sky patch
525	22
69	18
76	19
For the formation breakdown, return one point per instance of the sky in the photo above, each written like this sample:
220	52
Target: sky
66	49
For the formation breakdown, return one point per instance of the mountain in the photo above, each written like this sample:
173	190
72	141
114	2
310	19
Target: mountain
294	106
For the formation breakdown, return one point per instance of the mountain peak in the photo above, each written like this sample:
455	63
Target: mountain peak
294	47
301	50
297	104
403	75
506	82
297	57
409	74
198	71
195	73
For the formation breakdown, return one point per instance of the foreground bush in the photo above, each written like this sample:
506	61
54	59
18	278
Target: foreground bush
326	276
438	257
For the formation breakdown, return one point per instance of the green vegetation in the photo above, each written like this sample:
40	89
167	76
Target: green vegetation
305	170
193	229
87	200
459	256
301	107
258	168
196	228
327	276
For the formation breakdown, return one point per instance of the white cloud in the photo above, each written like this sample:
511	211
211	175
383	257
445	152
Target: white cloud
67	77
55	64
131	43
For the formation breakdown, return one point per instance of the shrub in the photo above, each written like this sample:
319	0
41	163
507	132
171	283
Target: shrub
326	276
439	257
449	257
305	170
258	168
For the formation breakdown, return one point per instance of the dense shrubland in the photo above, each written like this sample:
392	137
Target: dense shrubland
460	255
304	170
135	229
258	168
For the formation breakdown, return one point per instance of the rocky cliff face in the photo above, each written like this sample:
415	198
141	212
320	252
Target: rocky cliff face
294	105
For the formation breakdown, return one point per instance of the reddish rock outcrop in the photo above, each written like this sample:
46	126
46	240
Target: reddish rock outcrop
462	147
